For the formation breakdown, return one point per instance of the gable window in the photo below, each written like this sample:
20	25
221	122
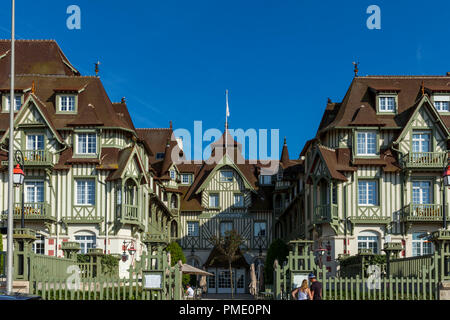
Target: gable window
366	143
214	200
67	103
87	143
17	102
35	142
368	240
421	195
239	200
386	104
85	192
442	103
367	192
34	191
226	176
192	229
421	141
172	174
186	179
420	245
259	229
225	226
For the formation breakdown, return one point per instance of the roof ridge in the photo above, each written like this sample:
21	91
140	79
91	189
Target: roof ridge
403	76
29	40
53	75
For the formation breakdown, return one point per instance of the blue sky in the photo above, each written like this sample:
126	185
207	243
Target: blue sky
279	59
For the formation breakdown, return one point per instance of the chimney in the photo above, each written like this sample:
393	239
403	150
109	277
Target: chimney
448	74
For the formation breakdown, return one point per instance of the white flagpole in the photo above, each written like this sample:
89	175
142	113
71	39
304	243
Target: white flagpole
9	253
226	121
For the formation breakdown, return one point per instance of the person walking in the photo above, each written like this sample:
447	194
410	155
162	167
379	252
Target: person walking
303	292
316	287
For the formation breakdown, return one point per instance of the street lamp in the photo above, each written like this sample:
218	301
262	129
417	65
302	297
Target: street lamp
18	179
127	246
446	176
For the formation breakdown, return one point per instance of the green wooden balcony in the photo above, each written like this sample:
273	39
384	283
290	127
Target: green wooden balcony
422	212
32	211
128	213
424	160
325	213
35	158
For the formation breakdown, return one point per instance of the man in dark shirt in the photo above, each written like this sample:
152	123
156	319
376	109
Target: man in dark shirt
316	287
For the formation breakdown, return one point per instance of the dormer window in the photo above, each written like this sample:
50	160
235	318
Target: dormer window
226	176
265	179
387	103
172	174
87	143
7	102
442	103
186	178
67	102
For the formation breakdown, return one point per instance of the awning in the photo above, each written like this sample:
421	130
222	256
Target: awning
188	269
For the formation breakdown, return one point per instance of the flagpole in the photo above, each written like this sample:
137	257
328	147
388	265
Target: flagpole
226	121
9	254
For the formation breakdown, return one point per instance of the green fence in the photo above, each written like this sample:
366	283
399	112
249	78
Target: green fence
397	279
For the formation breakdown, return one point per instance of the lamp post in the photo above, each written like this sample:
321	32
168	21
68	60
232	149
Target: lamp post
446	183
127	246
18	178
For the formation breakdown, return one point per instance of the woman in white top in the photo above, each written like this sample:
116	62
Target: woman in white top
303	292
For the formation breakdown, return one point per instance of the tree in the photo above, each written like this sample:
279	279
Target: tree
228	246
176	254
278	250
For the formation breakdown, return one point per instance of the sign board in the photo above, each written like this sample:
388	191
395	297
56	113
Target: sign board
152	280
297	279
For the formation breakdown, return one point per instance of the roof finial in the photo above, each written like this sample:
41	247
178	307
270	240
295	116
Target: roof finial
123	100
170	124
96	68
356	68
423	88
285	141
33	87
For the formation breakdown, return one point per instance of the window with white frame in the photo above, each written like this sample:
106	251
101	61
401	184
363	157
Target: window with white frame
186	178
368	240
386	103
421	192
366	143
38	246
17	102
192	228
87	143
442	103
367	192
67	103
214	200
225	226
226	176
421	141
35	142
85	192
34	191
239	200
421	245
259	229
173	174
86	242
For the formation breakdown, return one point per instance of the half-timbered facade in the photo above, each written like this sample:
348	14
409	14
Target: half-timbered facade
373	173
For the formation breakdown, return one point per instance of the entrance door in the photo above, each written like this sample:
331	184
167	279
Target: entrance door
223	281
212	281
240	281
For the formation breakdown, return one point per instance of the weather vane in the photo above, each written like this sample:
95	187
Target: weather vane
356	68
96	68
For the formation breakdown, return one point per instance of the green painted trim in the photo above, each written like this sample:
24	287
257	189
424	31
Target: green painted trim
377	103
355	143
76	132
58	103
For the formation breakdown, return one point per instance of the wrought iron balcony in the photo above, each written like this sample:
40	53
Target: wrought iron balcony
422	212
32	211
325	213
424	160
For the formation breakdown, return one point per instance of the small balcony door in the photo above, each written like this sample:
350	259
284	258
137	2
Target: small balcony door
421	193
421	141
34	191
35	147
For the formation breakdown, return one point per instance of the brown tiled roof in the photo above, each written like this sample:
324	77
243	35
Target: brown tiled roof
329	157
34	57
365	115
409	91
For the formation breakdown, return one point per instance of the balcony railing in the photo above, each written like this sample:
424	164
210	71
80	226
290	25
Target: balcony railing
129	212
425	160
422	212
325	213
32	211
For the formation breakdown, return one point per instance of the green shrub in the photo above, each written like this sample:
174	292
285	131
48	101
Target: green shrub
279	250
176	254
110	264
